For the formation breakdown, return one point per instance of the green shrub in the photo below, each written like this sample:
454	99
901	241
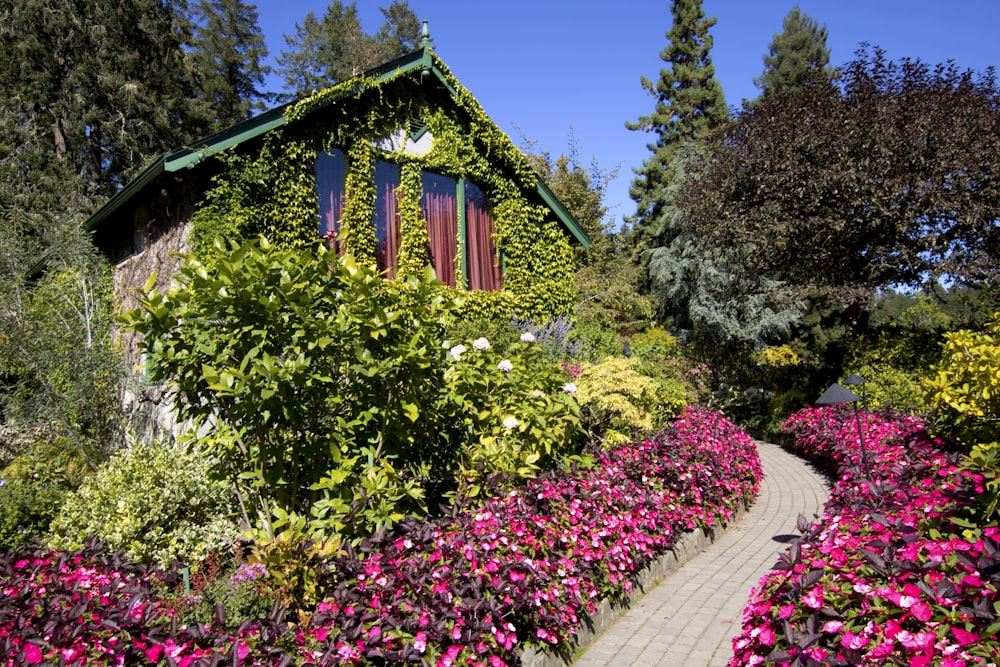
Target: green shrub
32	488
328	390
156	503
617	400
517	407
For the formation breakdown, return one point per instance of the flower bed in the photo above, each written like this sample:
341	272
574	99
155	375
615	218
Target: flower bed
889	575
522	568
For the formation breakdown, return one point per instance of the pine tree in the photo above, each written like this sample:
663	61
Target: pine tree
335	48
689	104
227	51
796	55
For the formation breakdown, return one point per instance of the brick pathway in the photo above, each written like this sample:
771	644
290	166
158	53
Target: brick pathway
689	619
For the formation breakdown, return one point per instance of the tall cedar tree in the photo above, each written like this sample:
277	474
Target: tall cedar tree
324	52
227	50
797	54
890	179
689	104
99	87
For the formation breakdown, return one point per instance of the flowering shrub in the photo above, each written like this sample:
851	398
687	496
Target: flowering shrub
514	408
888	575
523	567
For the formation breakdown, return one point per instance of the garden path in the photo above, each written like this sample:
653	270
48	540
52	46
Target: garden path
689	619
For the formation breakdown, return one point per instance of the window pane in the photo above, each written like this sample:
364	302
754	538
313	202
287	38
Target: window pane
484	267
331	173
386	216
441	213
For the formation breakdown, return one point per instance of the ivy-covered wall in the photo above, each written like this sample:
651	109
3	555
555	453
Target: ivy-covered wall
270	188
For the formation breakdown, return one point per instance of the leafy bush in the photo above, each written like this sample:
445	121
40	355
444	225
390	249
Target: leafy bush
518	408
333	393
892	573
965	386
325	377
617	400
32	489
156	503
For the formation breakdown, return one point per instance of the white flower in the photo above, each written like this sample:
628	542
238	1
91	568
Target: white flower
569	388
481	344
536	393
510	423
505	365
456	352
527	337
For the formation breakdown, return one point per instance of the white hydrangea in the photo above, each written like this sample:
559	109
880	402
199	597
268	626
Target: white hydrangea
527	337
569	388
481	344
456	352
510	423
505	365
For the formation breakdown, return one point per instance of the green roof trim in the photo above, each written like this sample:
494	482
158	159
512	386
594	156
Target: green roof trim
189	156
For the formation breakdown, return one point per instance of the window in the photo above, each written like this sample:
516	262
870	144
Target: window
482	266
457	214
387	216
331	174
441	212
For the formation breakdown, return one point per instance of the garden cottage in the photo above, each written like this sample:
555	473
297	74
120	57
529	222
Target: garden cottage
399	167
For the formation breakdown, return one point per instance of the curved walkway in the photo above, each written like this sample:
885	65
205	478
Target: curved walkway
689	619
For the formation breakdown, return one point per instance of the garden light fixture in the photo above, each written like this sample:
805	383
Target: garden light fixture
836	395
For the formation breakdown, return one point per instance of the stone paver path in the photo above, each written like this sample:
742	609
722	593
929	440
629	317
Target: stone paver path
690	618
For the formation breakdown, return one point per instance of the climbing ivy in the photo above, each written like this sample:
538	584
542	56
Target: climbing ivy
269	188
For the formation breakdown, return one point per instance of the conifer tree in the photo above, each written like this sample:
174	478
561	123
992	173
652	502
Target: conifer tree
226	57
325	51
689	104
796	55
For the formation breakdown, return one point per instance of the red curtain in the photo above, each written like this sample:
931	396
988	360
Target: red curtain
484	267
331	174
387	230
440	210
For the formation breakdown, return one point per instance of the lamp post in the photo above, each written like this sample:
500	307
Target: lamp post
836	395
855	380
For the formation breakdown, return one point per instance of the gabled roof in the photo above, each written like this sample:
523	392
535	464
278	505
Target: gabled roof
187	157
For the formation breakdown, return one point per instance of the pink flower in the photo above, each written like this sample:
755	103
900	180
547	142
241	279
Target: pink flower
853	641
420	641
813	598
833	627
916	640
154	652
32	654
964	637
921	611
786	611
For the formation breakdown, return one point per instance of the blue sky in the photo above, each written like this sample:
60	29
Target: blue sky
544	66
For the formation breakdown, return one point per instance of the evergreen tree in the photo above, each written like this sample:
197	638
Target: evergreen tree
99	86
689	104
325	51
227	50
797	54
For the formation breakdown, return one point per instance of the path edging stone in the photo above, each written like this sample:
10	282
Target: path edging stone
687	547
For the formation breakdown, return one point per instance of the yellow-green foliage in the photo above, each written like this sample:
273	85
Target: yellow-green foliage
617	400
157	503
653	343
779	356
965	387
270	189
887	385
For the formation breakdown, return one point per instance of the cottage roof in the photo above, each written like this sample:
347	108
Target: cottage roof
423	59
